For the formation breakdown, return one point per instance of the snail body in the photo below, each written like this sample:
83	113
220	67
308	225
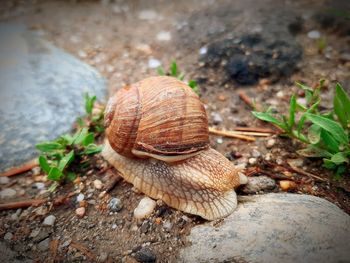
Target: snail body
157	138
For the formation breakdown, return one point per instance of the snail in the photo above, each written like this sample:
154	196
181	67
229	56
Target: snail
157	138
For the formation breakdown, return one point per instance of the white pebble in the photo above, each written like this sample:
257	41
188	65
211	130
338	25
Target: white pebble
49	220
7	193
314	34
147	14
256	153
80	197
144	208
98	184
280	94
164	36
4	180
252	160
154	63
82	54
80	211
219	140
270	143
39	186
203	50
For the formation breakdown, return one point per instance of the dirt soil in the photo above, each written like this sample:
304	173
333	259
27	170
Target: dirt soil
119	38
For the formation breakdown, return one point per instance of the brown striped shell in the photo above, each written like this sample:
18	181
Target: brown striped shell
159	117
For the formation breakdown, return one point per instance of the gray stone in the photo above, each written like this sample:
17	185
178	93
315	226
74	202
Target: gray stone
49	220
115	204
216	117
257	184
4	180
8	236
274	228
44	245
41	93
7	193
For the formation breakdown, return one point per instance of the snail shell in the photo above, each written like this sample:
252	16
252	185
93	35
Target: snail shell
157	138
159	117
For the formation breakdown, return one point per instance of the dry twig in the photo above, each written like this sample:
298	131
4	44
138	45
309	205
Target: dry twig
114	180
230	134
21	169
22	204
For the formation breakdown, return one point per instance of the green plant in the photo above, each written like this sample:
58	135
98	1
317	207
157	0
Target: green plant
174	72
58	156
327	134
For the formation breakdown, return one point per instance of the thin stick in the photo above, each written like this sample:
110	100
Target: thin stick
21	169
230	134
300	171
258	134
22	204
255	129
248	101
116	178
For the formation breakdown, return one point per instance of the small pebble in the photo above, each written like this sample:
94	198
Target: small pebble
102	257
270	143
167	225
258	183
144	208
80	197
34	233
115	204
49	220
39	186
44	245
98	184
314	34
164	36
287	185
80	212
216	117
154	63
4	180
7	193
256	153
280	94
252	160
114	226
203	50
8	236
145	255
219	140
147	14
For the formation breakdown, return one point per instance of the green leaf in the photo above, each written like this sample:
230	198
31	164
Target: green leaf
265	116
89	138
49	146
181	76
332	127
92	149
66	160
328	164
161	71
339	158
314	134
68	138
303	117
89	103
329	142
292	108
80	136
173	69
71	176
53	187
55	174
313	151
44	164
304	87
341	104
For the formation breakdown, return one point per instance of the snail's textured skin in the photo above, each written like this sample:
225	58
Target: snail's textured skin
202	185
157	117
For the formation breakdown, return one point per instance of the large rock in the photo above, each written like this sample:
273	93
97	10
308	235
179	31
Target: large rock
274	228
41	92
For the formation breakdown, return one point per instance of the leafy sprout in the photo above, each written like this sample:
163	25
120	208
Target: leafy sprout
174	72
326	134
58	156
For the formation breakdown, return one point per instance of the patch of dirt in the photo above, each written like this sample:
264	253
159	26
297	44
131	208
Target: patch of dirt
117	39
